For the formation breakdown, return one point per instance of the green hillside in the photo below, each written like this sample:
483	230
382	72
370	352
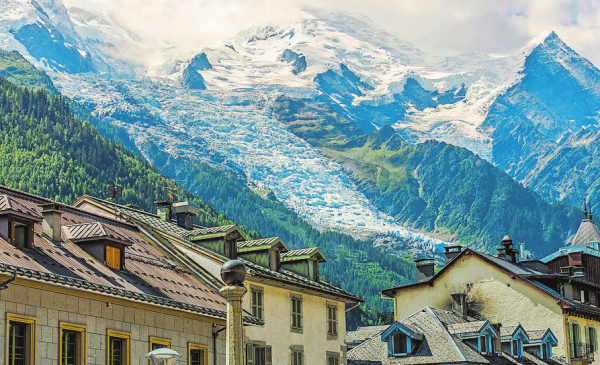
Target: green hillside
62	157
433	186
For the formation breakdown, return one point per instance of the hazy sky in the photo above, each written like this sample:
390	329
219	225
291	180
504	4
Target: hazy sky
491	26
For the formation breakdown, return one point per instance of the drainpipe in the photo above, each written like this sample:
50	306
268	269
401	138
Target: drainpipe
215	334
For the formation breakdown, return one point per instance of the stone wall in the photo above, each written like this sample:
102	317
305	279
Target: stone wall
51	308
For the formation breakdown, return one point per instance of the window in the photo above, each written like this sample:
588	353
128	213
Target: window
332	317
21	339
21	233
585	296
544	351
119	348
113	257
591	339
257	304
197	354
575	340
400	344
333	358
230	248
483	344
258	354
158	343
517	347
297	314
73	344
297	357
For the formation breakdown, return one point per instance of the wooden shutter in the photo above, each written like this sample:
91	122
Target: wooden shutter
249	354
587	336
571	342
268	356
109	256
117	258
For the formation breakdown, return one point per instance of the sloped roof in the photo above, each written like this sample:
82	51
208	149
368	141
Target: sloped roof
508	332
363	333
148	276
466	328
219	231
213	266
263	243
588	232
94	230
303	254
24	206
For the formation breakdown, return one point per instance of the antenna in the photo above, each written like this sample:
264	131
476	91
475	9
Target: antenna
590	209
115	192
170	187
585	212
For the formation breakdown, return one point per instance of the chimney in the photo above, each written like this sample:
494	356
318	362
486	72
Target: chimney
163	209
51	221
451	252
425	269
185	212
507	252
498	341
522	255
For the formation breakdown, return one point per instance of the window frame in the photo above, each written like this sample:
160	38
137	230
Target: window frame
332	321
407	344
81	329
159	341
335	356
256	289
122	335
195	346
299	314
297	352
31	334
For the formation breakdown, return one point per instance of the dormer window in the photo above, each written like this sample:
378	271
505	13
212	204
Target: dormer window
304	262
264	252
479	334
513	339
105	247
401	339
17	221
222	240
517	348
486	345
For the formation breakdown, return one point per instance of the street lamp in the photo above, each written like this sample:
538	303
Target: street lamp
163	356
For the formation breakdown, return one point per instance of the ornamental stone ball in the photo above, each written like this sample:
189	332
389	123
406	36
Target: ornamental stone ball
233	272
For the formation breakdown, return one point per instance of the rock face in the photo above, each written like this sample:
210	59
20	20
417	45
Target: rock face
298	61
200	62
192	79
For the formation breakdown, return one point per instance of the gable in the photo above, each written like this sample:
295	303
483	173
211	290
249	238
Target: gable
399	328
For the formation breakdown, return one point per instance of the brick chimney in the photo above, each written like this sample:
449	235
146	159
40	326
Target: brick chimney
51	221
425	268
185	212
451	252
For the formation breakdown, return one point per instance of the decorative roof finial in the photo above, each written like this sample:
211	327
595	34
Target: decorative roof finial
590	209
585	212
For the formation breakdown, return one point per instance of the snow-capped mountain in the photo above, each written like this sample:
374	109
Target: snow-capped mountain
216	105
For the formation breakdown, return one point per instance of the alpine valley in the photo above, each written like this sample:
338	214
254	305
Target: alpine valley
343	124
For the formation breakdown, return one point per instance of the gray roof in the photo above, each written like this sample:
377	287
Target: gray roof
208	231
260	242
588	232
466	328
363	333
438	347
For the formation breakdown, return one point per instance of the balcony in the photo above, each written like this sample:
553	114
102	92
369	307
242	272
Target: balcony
582	351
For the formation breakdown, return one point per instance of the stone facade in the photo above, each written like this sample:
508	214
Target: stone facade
51	308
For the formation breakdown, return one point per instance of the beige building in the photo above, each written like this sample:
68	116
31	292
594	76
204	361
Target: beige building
81	288
304	317
505	290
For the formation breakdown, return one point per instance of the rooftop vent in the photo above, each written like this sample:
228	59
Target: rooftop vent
507	252
185	212
451	252
425	268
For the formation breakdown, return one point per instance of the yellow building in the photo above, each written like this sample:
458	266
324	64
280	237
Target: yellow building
304	318
504	290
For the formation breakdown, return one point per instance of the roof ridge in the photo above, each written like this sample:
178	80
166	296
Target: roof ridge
446	333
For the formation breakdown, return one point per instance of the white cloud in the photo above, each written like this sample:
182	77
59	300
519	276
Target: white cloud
439	26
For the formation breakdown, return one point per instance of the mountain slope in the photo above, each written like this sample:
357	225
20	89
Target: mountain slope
63	157
432	186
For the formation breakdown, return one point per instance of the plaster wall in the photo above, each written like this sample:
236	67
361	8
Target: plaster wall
492	293
51	308
583	323
277	333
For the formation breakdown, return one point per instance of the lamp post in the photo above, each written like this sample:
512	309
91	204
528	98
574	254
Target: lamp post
163	356
233	274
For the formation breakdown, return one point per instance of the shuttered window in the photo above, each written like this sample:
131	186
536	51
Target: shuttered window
113	257
296	313
332	320
259	355
257	303
297	357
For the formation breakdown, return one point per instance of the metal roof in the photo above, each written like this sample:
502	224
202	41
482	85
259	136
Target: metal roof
303	254
588	232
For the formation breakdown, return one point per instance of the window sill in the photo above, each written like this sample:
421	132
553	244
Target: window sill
296	330
332	337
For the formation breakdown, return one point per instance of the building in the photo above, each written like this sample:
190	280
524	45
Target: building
304	317
559	292
81	288
433	336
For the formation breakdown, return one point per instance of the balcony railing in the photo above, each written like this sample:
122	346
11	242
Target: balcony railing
582	351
